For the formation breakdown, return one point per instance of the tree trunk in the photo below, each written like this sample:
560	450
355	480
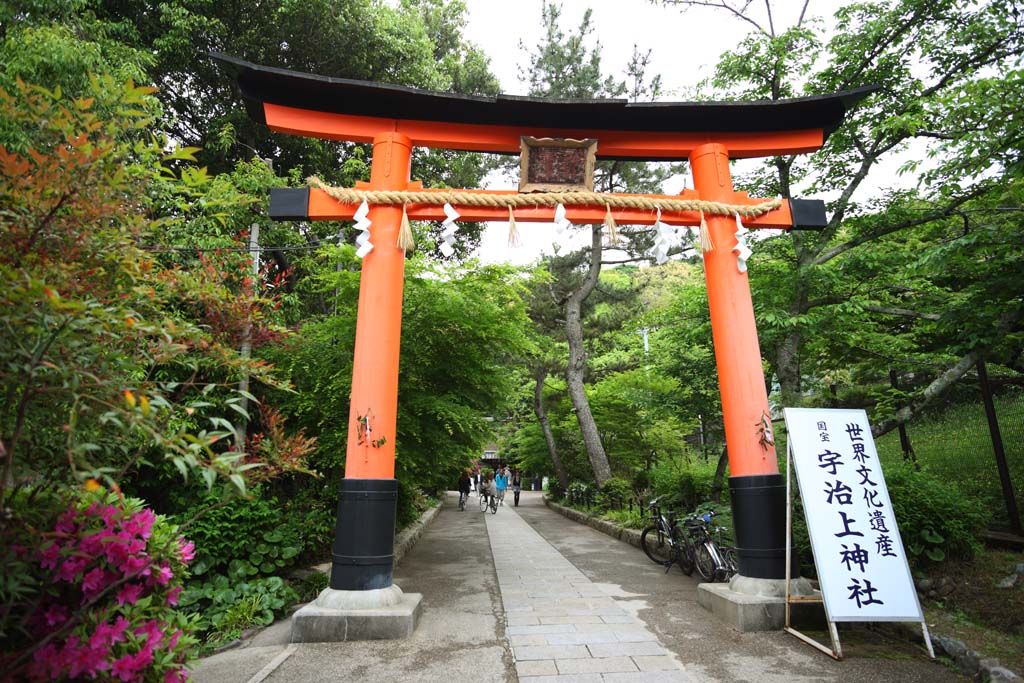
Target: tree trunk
718	483
545	425
578	362
787	351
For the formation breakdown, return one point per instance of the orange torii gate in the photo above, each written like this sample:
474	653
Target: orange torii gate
395	119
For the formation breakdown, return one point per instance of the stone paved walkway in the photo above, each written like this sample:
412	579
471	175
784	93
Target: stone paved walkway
562	627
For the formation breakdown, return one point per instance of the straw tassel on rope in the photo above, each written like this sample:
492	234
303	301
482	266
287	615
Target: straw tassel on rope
513	233
706	244
609	222
405	240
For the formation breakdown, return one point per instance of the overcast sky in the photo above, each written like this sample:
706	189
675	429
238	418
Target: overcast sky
684	49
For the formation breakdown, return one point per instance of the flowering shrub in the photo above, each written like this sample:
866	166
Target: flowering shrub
108	576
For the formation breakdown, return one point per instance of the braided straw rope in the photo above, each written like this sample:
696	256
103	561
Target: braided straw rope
543	199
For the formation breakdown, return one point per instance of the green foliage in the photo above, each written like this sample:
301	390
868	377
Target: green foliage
312	585
460	328
936	520
410	504
243	538
225	604
685	484
629	519
132	358
942	438
614	491
415	43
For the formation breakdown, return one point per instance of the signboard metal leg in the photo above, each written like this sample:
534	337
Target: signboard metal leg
927	639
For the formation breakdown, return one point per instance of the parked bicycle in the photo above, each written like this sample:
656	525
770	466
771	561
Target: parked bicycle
664	542
714	560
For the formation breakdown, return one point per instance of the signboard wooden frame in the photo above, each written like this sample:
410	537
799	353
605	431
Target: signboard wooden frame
531	146
891	571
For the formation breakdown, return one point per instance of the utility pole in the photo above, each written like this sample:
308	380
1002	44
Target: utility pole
246	350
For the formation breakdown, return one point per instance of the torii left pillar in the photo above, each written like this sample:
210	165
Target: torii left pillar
362	601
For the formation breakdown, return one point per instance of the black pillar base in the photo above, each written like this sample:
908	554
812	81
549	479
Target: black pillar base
759	515
364	534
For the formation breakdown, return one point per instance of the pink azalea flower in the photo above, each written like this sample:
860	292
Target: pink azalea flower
120	626
172	595
188	550
144	657
55	615
172	642
83	659
92	544
93	583
141	523
153	630
70	569
136	566
129	594
44	663
124	668
108	513
66	523
50	554
164	576
175	676
117	552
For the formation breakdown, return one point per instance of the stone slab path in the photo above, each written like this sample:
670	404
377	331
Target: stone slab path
564	628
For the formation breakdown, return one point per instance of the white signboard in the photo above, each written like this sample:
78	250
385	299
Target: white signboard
862	566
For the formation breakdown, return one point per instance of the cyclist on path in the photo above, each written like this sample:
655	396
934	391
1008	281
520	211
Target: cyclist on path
464	488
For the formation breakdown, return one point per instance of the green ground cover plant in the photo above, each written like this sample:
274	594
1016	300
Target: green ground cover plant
954	445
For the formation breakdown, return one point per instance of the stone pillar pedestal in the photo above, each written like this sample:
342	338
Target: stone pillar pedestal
338	615
749	604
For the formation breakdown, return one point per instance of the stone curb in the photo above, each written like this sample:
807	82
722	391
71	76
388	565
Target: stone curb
630	536
968	661
407	537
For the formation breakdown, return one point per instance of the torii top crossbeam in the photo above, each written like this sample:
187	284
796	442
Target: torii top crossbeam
343	109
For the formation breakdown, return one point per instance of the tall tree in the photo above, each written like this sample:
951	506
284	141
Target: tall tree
568	66
940	64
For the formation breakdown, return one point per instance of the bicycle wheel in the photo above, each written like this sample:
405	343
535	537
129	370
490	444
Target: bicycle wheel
684	552
732	563
483	503
653	543
494	506
705	563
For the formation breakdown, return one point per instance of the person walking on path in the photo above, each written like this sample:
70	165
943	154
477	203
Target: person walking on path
517	485
464	488
479	489
501	483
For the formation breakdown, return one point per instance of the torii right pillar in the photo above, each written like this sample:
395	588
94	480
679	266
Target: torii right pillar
756	487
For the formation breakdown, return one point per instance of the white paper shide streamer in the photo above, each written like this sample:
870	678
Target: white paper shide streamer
561	222
363	243
662	239
743	251
448	234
